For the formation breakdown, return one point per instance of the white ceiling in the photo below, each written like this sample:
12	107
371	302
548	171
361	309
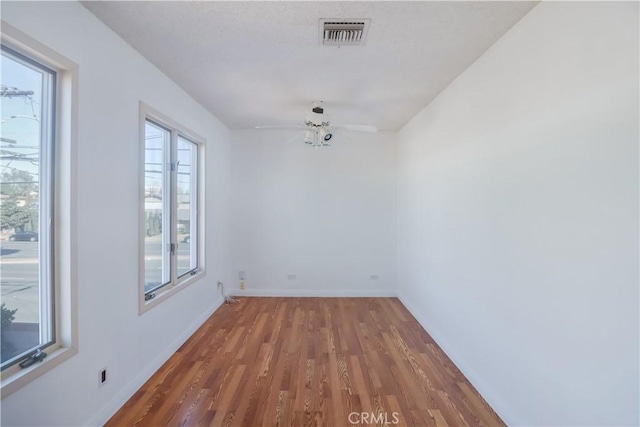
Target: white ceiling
260	63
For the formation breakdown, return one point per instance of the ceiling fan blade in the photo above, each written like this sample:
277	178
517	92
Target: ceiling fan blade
281	127
298	135
356	128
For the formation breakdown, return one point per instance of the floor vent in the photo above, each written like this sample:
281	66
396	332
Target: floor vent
343	32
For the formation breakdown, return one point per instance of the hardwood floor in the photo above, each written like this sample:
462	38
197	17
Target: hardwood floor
308	361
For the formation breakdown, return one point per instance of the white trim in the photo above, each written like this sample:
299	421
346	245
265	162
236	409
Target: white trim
156	115
344	293
150	368
176	283
170	290
24	376
483	387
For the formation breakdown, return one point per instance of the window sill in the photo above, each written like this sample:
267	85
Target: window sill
24	376
164	295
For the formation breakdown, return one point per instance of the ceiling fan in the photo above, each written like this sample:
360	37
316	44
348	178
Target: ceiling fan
318	130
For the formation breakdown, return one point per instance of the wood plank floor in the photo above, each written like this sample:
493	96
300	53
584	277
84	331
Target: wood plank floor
308	361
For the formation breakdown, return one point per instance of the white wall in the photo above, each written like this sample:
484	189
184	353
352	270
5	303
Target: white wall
113	78
518	213
327	215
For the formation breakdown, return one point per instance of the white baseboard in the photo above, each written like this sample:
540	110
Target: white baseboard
344	293
495	401
151	368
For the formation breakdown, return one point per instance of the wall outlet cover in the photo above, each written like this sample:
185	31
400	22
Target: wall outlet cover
102	377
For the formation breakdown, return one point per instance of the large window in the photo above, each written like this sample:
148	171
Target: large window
26	207
170	214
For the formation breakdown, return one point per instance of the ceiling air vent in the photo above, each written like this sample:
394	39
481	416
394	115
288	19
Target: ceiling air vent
343	32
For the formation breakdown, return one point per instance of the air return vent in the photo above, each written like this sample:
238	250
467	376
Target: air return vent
343	32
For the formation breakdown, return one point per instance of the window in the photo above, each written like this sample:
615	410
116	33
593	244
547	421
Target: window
26	205
170	252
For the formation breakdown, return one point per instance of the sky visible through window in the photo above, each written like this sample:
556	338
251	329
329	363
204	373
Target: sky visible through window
20	118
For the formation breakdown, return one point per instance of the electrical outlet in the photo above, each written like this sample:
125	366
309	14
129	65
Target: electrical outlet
291	276
102	377
242	286
374	277
241	275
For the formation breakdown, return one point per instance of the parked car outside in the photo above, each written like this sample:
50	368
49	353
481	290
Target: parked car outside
187	238
24	236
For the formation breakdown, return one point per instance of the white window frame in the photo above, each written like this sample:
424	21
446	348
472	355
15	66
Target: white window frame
63	199
176	283
46	220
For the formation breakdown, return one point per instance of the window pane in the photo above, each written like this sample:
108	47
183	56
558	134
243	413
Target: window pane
156	202
187	193
25	206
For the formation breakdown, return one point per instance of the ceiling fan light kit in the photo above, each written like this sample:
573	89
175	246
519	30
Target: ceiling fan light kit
318	130
317	137
325	134
308	137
